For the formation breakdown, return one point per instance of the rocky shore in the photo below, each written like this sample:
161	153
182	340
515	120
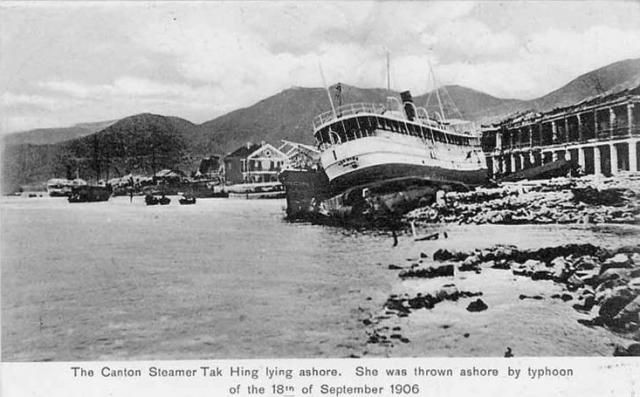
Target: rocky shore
603	284
561	200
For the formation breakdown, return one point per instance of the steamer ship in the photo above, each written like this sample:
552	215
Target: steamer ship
368	144
384	159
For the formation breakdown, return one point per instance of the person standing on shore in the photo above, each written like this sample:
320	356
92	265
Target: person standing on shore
131	189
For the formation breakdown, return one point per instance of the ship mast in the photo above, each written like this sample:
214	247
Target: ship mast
433	78
388	73
324	82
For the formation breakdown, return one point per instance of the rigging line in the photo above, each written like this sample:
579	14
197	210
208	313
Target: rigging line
437	91
452	102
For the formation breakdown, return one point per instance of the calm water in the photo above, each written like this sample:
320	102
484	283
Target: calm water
231	279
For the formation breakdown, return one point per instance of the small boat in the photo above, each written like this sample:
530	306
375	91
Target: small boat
187	200
150	199
89	194
164	200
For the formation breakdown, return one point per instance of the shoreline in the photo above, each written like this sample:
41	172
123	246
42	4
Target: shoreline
438	295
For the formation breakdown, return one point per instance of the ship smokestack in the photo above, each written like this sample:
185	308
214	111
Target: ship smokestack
407	101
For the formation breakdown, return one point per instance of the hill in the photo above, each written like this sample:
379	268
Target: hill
614	77
286	115
46	136
134	144
139	143
471	104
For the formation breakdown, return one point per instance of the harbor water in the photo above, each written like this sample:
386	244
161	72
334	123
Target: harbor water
231	278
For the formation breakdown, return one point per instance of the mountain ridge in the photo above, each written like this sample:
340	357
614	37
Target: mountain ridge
287	114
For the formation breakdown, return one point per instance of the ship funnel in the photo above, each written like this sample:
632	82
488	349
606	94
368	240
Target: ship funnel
409	107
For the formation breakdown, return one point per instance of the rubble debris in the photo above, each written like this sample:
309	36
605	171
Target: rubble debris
608	280
477	306
428	272
560	200
631	350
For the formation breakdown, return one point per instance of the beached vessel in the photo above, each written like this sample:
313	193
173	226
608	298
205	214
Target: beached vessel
261	190
89	194
365	143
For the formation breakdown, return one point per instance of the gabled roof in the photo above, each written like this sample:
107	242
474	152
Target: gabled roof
169	173
289	147
244	151
267	150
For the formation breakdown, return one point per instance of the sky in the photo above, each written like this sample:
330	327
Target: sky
67	63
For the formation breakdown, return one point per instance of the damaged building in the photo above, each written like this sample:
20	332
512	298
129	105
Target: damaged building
599	134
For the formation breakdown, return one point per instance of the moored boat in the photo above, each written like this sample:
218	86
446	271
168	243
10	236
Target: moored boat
89	194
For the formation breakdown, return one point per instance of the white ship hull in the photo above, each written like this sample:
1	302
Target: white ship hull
387	155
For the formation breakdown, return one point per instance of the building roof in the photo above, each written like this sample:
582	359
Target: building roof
169	174
529	116
245	150
289	147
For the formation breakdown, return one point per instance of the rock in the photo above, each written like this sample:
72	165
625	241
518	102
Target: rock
615	262
487	255
613	274
582	277
634	284
469	266
502	264
397	305
542	275
566	297
612	288
423	255
420	302
448	292
587	305
534	265
477	306
559	262
629	313
586	262
610	307
442	255
503	252
535	297
521	271
428	272
631	350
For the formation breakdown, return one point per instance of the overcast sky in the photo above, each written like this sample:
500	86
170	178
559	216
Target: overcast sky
63	63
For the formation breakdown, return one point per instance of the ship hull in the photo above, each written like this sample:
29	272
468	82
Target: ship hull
390	156
376	174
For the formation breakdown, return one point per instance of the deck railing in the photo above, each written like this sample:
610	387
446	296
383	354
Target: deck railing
347	110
